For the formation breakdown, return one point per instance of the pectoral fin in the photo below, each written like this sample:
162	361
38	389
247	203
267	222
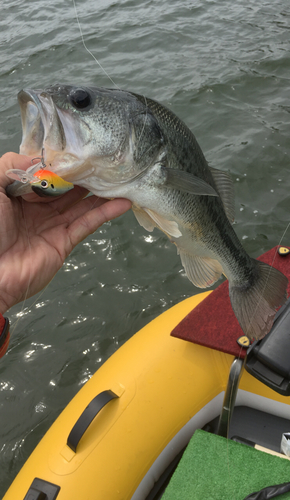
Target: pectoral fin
184	181
202	272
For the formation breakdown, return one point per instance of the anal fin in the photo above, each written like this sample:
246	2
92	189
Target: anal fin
203	272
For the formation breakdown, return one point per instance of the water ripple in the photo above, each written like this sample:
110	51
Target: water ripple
224	68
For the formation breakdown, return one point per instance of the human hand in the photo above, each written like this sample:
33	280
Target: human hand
37	234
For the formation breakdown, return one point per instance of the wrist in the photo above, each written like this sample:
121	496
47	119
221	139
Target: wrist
5	303
4	335
3	308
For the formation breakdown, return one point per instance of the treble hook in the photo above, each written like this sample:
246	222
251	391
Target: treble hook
41	158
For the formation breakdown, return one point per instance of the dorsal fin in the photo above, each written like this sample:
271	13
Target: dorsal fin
225	189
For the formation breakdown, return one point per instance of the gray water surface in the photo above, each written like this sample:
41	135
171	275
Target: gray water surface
221	66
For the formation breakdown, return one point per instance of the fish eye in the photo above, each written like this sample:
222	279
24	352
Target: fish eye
80	98
44	184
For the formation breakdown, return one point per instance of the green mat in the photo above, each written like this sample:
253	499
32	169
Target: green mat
214	468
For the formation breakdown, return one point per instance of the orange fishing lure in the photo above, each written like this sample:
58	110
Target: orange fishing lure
48	183
43	182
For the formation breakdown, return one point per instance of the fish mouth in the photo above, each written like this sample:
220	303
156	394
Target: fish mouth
32	123
47	132
65	141
50	136
78	145
41	125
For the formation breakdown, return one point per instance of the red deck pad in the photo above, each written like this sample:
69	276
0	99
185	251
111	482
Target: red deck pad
213	323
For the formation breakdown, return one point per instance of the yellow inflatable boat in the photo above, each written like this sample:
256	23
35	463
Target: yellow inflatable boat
122	434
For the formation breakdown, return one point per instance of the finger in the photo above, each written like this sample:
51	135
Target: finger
91	220
71	198
76	208
49	218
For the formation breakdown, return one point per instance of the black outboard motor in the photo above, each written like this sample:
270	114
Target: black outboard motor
268	359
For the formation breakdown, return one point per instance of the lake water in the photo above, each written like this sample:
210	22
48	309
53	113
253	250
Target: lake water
224	68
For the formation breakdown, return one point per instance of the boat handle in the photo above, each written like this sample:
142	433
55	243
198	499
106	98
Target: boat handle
88	415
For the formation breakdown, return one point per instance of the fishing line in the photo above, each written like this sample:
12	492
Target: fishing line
280	241
88	50
99	64
271	265
142	131
231	395
273	260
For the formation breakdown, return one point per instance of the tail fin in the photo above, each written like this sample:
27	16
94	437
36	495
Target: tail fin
255	303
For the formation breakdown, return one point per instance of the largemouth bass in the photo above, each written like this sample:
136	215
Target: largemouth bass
120	144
